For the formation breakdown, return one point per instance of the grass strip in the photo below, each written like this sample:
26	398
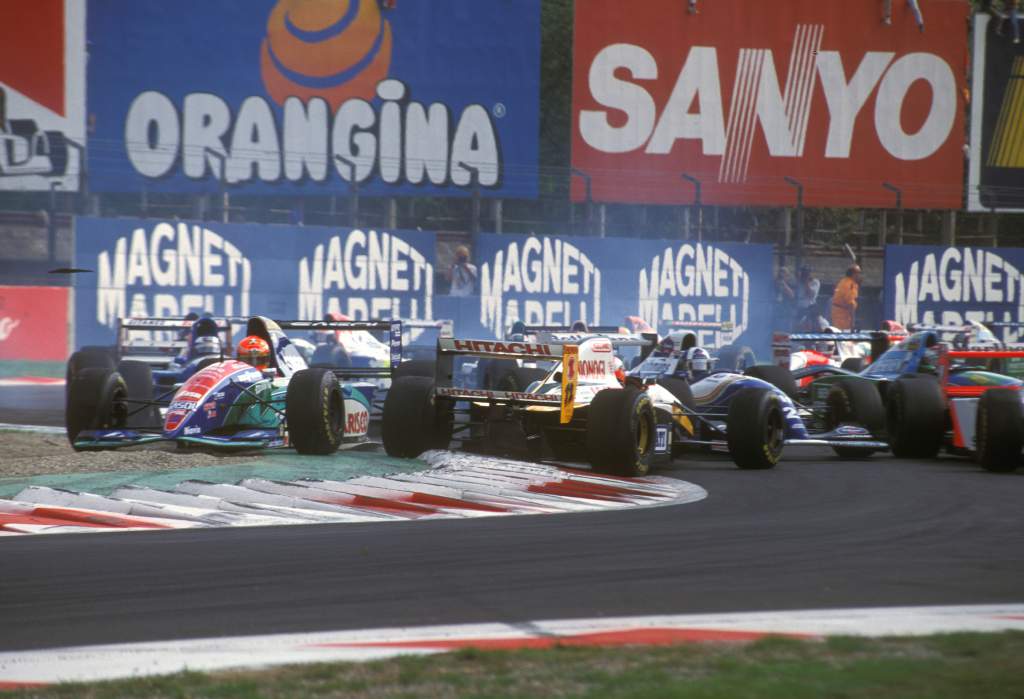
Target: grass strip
948	665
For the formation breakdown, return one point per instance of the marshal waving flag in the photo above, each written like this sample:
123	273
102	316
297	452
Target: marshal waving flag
754	101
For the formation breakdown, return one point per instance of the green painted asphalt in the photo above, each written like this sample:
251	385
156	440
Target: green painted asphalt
284	466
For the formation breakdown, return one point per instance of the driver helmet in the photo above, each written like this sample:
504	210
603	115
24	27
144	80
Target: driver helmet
827	347
254	350
619	369
698	363
206	346
517	333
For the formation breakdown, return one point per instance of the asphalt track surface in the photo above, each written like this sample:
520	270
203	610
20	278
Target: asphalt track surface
815	532
32	405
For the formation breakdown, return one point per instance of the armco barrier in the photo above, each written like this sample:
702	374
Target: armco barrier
173	267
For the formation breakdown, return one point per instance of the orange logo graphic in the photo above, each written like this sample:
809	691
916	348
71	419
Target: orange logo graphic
334	49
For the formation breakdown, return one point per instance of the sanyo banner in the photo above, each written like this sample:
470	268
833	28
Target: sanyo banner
153	267
546	280
949	286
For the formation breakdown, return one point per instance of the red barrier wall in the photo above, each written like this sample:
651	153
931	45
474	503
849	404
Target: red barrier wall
34	323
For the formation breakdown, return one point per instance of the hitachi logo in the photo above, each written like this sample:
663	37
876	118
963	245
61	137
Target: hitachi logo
490	347
618	71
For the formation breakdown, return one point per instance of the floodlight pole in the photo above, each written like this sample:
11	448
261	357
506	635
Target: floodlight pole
697	203
588	187
353	189
899	211
799	219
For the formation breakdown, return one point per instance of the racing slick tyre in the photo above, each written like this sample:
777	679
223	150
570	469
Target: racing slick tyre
314	409
621	431
88	357
733	358
915	417
415	420
755	428
775	375
854	364
138	377
857	401
415	367
330	356
96	401
1000	430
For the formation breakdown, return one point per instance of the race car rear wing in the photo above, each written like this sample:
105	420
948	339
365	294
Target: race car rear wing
159	351
392	327
782	343
449	347
724	328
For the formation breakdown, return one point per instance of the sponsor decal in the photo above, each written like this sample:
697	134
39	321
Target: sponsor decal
186	405
357	423
366	274
171	269
701	283
454	392
191	430
42	95
600	346
951	286
661	436
541	281
497	347
592	368
319	92
742	92
570	378
189	394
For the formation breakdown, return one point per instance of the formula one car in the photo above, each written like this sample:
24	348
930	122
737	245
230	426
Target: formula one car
728	355
360	348
587	408
232	404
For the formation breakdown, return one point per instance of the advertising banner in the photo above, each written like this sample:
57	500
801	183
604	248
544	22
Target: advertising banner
952	285
170	268
546	280
425	97
34	323
742	95
996	169
42	94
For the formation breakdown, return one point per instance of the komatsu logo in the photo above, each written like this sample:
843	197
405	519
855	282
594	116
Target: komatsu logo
366	274
959	285
402	140
696	283
542	281
171	270
632	120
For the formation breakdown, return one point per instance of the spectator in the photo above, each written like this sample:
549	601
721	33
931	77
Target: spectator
844	300
785	296
914	7
692	7
462	275
807	288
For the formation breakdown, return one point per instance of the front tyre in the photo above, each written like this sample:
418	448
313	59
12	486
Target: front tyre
314	409
621	430
97	400
1000	422
755	428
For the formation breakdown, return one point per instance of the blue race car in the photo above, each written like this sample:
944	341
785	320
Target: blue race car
233	404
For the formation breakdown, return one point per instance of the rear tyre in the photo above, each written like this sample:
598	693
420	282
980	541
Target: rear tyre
86	358
621	431
855	401
755	428
138	377
314	410
915	417
96	401
777	376
415	420
1000	423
